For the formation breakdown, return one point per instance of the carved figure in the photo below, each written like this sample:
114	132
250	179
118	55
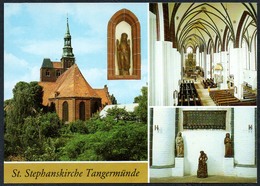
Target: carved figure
202	171
123	54
179	145
228	145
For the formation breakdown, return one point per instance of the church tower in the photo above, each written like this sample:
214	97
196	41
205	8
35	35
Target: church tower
68	58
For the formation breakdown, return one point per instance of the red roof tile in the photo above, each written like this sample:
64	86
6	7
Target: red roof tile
47	90
72	84
104	94
56	64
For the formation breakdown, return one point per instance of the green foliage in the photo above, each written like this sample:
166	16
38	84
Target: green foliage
32	135
78	126
113	99
141	110
122	142
27	100
38	136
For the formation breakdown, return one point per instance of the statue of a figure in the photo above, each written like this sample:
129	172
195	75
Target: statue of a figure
123	54
228	145
179	145
202	167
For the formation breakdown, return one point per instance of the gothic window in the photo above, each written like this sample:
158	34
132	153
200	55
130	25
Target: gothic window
82	112
65	111
58	73
52	107
47	73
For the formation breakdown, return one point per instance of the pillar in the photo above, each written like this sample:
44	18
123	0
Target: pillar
244	135
152	39
236	55
163	136
223	56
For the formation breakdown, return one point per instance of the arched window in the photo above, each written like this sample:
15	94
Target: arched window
65	111
52	107
82	112
47	73
58	73
189	50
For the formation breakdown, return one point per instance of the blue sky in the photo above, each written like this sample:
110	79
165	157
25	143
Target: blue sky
33	31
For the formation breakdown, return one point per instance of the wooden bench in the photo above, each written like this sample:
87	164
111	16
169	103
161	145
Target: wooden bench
228	102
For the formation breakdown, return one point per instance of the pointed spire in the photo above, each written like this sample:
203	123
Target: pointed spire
67	49
67	34
68	28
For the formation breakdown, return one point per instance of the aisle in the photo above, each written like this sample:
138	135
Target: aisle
203	93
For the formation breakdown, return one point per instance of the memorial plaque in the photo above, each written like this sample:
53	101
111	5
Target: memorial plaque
204	120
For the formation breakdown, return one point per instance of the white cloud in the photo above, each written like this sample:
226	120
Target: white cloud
32	75
15	70
44	48
11	60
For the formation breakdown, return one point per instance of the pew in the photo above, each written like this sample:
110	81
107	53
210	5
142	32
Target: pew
188	95
226	98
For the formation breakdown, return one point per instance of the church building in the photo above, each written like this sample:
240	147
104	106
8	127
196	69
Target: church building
66	90
203	54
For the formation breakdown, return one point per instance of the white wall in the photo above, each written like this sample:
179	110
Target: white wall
250	76
164	138
211	142
244	138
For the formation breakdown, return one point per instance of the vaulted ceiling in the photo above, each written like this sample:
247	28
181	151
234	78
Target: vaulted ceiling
210	24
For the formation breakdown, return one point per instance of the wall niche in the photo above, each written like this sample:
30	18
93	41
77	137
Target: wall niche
123	46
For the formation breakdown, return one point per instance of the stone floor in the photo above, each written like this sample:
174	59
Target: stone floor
203	93
210	179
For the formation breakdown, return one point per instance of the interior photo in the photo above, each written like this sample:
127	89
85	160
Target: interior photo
205	145
203	54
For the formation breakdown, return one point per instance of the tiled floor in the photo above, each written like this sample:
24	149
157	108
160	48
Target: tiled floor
209	179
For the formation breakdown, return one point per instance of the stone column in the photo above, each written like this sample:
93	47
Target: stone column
163	136
152	39
244	135
236	55
224	73
164	66
207	71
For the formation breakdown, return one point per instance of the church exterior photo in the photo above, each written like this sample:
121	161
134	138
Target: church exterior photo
66	90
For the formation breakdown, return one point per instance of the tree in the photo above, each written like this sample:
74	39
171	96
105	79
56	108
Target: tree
141	110
113	99
27	101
